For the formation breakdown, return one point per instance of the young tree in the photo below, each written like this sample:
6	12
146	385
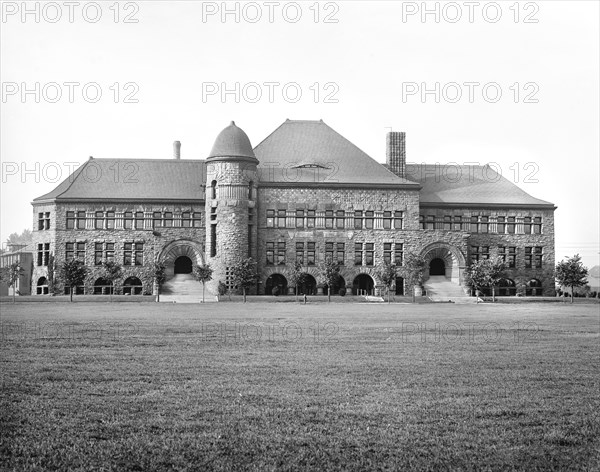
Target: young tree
570	272
155	274
297	276
476	276
51	273
10	275
494	269
329	273
203	273
387	273
413	271
111	271
243	274
72	273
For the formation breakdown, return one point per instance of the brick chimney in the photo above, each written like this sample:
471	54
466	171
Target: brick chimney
395	154
177	150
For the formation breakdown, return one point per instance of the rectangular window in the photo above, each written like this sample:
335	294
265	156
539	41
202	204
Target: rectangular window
300	253
537	257
299	218
422	221
527	225
447	223
533	257
44	220
508	255
197	219
281	253
40	221
270	218
340	219
110	220
474	224
213	214
430	221
139	254
281	218
501	225
70	220
398	220
168	220
186	219
484	224
387	253
458	223
329	219
128	220
98	253
310	218
369	254
528	257
537	225
99	220
369	219
270	253
128	254
510	226
358	254
387	220
358	219
340	253
329	251
139	220
479	253
109	252
311	252
156	219
43	256
69	251
80	224
399	254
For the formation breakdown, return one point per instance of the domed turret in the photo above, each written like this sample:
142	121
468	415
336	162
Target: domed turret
232	144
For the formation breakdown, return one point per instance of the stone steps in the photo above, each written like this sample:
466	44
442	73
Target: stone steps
183	288
441	289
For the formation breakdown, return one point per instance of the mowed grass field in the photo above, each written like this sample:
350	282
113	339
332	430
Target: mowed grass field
227	386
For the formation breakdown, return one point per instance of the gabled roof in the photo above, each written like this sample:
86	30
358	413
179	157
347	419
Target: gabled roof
468	185
136	179
310	152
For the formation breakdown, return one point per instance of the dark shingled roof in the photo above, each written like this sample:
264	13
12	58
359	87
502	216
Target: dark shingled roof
232	144
136	179
310	152
468	185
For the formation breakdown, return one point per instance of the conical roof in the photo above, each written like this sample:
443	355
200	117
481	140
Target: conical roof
232	144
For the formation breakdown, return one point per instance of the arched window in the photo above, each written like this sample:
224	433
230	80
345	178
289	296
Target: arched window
132	286
213	189
507	288
250	185
42	286
534	288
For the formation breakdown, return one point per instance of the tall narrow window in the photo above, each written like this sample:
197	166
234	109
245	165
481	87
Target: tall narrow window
250	185
300	253
484	224
328	219
340	219
369	254
110	220
109	252
358	254
281	218
329	251
270	218
510	226
139	220
474	224
186	220
249	240
358	219
310	218
537	225
40	221
98	248
156	219
281	253
430	221
81	220
213	240
213	189
197	219
387	253
168	220
311	250
501	225
99	220
398	220
128	220
340	253
299	218
270	252
70	220
457	223
527	224
369	220
399	254
387	220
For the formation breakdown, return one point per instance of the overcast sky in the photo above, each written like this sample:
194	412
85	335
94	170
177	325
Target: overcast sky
359	66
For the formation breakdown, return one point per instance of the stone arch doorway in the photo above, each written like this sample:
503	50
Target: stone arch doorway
437	267
180	248
453	260
276	280
363	285
182	265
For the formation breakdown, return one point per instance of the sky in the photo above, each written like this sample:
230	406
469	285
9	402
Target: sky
514	84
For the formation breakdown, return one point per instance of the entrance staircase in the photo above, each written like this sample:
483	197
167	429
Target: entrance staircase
441	289
183	288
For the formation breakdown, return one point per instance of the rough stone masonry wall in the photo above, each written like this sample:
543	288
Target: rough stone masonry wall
59	235
322	199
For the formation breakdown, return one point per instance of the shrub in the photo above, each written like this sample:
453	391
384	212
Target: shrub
222	288
342	291
275	291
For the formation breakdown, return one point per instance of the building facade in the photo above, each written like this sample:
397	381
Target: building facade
304	193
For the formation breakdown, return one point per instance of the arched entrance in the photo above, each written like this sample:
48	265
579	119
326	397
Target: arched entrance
451	261
276	280
102	287
308	285
42	286
182	265
335	288
437	267
533	288
362	285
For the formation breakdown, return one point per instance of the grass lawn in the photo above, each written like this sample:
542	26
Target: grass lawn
280	386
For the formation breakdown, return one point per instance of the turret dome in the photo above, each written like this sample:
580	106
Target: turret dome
232	144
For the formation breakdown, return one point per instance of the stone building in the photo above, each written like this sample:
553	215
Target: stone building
302	194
